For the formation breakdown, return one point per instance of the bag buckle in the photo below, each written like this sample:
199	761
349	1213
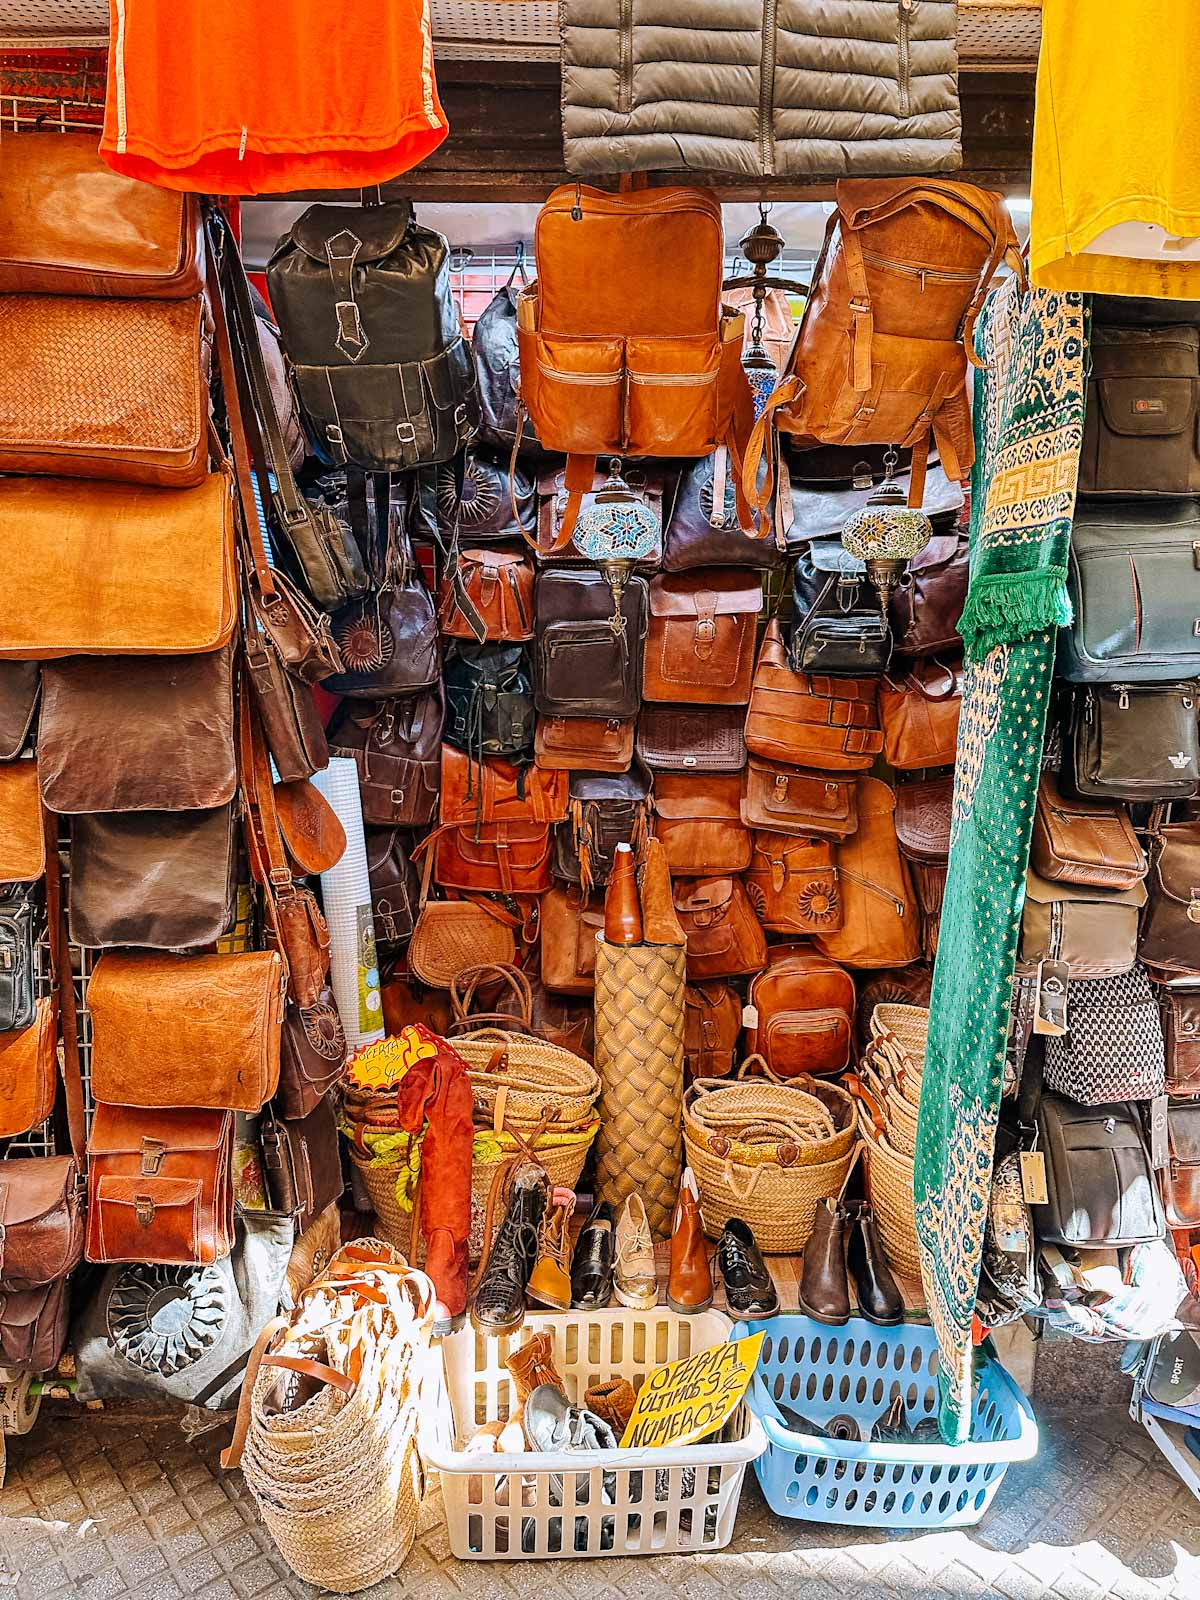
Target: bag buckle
406	433
143	1209
781	786
153	1152
1193	910
397	797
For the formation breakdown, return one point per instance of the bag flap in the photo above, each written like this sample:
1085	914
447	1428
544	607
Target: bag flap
23	834
377	231
496	791
702	894
1147	379
120	1130
1183	1131
631	787
786	791
829	555
1176	863
941	550
1043	892
1150	407
29	1306
923	816
875	798
116	1190
713	797
524	844
708	592
30	1187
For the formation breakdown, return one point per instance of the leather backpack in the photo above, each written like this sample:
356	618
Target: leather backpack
801	1015
919	712
830	724
497	359
497	791
692	738
837	626
395	888
698	819
603	811
724	937
1084	841
880	924
489	700
396	746
368	317
1169	945
583	665
1139	429
793	884
712	1025
497	586
923	817
625	347
1130	741
700	641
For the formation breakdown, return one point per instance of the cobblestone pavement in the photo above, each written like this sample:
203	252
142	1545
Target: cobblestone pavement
103	1508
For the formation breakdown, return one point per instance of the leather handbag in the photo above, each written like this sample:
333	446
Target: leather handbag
369	320
801	1011
698	819
170	718
160	1186
18	919
101	388
497	791
1168	943
831	724
924	812
700	641
703	528
603	811
1133	742
583	666
302	1165
479	502
1114	1047
925	607
28	1072
71	225
837	626
583	744
569	922
41	1211
161	880
1099	1181
20	684
724	937
1132	582
1181	1038
498	584
880	924
1139	431
1181	1175
23	836
712	1025
1094	931
33	1332
453	934
292	728
497	360
919	713
781	799
397	748
170	1032
312	1054
692	738
395	887
828	483
170	584
793	884
1084	841
489	700
509	858
555	500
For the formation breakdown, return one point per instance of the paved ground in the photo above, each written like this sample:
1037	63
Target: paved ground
100	1508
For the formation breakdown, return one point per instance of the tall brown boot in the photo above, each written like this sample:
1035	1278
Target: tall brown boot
824	1286
690	1284
660	923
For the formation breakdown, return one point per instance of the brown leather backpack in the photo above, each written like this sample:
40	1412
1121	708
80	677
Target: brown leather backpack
712	1022
801	1011
923	814
881	926
831	724
497	586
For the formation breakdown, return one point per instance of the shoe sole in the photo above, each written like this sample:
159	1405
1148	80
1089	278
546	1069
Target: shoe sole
828	1322
495	1330
750	1316
689	1311
881	1322
449	1325
549	1305
636	1303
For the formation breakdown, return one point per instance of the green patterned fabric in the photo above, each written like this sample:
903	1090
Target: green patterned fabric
1028	431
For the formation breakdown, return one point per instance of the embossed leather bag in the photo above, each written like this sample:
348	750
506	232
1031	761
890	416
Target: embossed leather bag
1093	930
782	799
1139	431
712	1025
397	747
20	683
499	586
923	816
569	922
583	744
803	1006
1133	742
700	642
724	937
692	738
1168	944
160	1186
489	700
880	922
604	810
793	884
312	1053
837	626
1181	1036
698	819
831	724
583	666
919	712
1084	841
28	1073
479	509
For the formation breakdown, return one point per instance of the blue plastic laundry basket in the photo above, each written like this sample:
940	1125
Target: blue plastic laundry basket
824	1372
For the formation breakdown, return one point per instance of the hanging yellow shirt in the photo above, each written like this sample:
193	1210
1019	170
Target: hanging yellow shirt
1117	141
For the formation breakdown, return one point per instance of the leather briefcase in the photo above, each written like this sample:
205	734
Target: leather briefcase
33	1331
1139	430
604	810
831	724
1084	841
1133	742
724	937
23	836
160	1186
171	576
312	1054
793	884
41	1213
302	1165
497	791
698	819
20	683
923	818
569	922
837	626
1181	1176
498	586
18	917
395	887
1094	931
1169	945
712	1025
583	666
880	924
782	799
700	642
170	1032
1102	1193
802	1010
692	738
1181	1037
703	528
583	744
160	880
919	713
28	1073
397	748
170	720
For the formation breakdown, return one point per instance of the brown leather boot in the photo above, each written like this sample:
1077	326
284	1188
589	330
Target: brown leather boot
824	1287
660	922
613	1401
532	1365
690	1284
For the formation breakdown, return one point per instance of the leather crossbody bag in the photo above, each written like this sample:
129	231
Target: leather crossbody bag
923	817
712	1025
395	887
880	923
302	1167
700	641
1168	943
397	748
508	858
1139	430
568	924
803	1015
919	712
312	1053
837	626
1181	1176
703	527
1084	841
1101	1187
831	724
1181	1037
1094	931
692	738
603	811
456	933
782	799
1133	742
793	884
724	937
583	665
583	744
292	728
698	819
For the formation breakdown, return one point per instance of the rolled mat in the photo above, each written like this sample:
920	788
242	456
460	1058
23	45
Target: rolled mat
639	1056
346	895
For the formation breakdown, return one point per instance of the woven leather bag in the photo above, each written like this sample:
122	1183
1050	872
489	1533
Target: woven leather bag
499	586
880	924
1114	1049
1084	841
793	883
724	937
396	746
451	935
568	924
1168	943
583	744
697	816
919	712
781	799
1181	1036
923	816
831	724
802	1008
1093	930
700	641
712	1025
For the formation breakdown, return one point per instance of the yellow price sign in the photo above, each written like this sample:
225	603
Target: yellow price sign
383	1064
690	1399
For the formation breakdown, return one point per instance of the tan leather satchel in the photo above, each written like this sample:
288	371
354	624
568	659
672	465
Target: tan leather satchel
28	1073
919	713
781	799
497	586
698	819
1084	841
167	585
177	1031
881	926
712	1025
583	744
700	642
569	922
831	724
23	831
724	937
800	1015
793	884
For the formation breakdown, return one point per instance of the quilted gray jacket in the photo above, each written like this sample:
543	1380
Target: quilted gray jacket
761	88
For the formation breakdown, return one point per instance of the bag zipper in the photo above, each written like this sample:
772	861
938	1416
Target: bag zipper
875	888
766	89
625	92
904	46
909	269
681	378
591	379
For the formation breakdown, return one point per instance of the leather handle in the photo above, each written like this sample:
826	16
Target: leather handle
232	1456
308	1368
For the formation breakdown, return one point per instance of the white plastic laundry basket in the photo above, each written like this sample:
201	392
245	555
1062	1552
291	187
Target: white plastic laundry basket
623	1502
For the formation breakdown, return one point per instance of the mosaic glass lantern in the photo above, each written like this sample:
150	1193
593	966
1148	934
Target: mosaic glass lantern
616	530
886	533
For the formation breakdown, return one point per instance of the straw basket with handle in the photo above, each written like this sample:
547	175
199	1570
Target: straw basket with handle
767	1149
889	1179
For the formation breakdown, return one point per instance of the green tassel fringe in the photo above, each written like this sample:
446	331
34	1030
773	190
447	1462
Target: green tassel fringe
1003	607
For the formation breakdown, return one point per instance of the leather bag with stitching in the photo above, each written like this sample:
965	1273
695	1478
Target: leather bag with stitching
397	748
880	924
499	585
831	724
1093	930
692	738
1084	841
700	641
583	744
793	883
698	819
919	712
712	1025
804	1006
724	937
785	799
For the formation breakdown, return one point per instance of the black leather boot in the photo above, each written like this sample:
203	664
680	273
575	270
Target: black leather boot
824	1289
879	1300
499	1303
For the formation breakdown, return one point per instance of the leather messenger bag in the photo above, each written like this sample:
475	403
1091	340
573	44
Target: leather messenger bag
828	724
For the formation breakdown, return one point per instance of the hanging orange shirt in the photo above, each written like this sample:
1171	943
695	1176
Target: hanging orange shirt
264	96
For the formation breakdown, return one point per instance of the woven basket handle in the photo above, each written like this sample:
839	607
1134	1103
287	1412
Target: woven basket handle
308	1368
231	1457
762	1065
867	1103
475	977
741	1196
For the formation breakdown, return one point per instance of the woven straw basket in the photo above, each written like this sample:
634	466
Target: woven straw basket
889	1187
900	1033
519	1081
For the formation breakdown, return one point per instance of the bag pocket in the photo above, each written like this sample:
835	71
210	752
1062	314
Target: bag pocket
148	1219
584	665
818	1041
577	391
672	392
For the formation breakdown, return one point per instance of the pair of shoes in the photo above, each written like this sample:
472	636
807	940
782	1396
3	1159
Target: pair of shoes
749	1287
845	1237
614	1257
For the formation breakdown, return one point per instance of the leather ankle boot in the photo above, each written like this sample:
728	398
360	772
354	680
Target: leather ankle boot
879	1300
690	1284
824	1289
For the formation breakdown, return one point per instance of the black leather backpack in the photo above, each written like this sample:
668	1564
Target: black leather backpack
384	374
489	700
837	626
498	373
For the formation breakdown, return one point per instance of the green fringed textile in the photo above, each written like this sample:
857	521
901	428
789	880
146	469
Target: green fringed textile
1028	430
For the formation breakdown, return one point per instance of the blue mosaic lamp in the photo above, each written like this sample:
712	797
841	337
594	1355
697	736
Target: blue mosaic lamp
616	530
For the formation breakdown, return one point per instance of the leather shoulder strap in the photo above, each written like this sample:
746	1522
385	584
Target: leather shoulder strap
62	989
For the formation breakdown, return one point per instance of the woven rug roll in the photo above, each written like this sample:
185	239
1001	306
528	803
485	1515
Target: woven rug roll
639	1056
